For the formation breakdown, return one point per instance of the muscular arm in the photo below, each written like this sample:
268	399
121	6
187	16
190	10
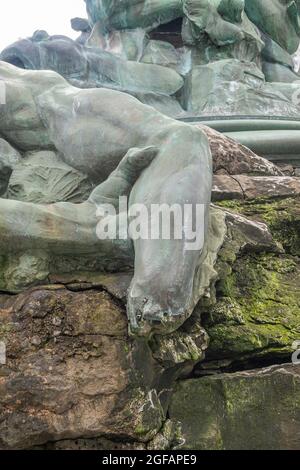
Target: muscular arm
137	152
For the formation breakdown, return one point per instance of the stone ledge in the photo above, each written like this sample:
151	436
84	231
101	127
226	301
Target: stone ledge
246	187
254	410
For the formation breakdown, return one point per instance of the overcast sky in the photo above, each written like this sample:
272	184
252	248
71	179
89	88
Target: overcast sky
20	18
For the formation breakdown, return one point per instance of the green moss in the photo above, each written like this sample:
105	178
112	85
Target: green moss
140	431
5	331
145	410
258	307
281	216
228	286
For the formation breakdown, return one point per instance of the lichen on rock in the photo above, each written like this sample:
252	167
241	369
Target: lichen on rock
253	410
256	313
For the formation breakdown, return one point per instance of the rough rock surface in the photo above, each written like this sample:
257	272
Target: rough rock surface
282	217
72	377
232	158
255	410
256	316
253	187
75	379
73	372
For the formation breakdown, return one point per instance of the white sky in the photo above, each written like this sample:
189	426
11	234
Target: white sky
20	18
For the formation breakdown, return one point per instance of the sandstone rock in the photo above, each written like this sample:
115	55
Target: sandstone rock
255	410
91	444
269	187
181	347
72	372
232	158
256	313
116	284
168	438
23	270
281	216
226	188
252	187
287	170
75	378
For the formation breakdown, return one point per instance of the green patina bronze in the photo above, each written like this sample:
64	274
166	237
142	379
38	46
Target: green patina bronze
126	149
67	114
213	57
